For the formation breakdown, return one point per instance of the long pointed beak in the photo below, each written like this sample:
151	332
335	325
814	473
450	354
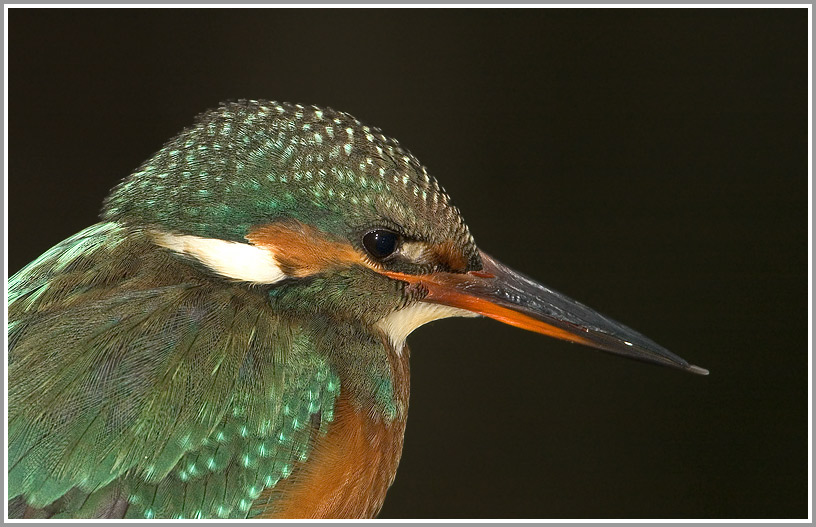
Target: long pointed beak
503	294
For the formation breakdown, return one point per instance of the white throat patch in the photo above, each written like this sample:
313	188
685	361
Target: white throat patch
238	261
401	323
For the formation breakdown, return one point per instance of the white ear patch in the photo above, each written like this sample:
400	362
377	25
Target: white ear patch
238	261
399	324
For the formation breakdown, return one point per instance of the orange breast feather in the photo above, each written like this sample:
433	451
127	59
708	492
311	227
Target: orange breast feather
348	472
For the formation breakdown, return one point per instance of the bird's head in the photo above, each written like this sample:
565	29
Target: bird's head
338	220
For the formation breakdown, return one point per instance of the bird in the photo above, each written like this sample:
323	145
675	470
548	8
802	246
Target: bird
229	341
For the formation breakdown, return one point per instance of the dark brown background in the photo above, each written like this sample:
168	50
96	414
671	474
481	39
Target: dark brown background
650	163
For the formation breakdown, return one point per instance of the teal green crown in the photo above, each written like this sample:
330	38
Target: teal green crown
248	163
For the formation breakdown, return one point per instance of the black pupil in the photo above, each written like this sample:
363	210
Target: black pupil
380	243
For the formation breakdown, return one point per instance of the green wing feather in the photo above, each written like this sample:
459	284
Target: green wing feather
134	376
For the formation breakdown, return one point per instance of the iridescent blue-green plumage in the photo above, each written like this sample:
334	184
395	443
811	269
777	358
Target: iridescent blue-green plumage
181	394
144	385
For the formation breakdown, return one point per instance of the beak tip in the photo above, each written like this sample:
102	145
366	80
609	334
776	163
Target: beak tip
696	369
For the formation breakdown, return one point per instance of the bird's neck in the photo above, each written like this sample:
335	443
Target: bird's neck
353	465
340	316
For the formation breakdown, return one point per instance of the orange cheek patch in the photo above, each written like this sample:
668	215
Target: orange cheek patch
448	254
302	250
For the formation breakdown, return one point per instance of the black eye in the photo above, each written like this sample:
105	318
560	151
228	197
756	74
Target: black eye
380	243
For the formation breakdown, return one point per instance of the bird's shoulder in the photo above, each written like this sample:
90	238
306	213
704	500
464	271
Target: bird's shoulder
137	379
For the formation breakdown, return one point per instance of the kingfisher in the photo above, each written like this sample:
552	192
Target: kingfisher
229	340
